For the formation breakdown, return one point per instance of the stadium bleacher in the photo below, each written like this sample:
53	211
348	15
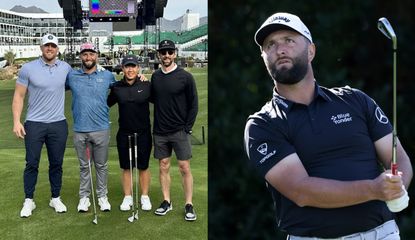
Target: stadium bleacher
178	37
197	47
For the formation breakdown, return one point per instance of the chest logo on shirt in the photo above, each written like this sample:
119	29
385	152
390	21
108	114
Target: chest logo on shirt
381	116
139	90
341	118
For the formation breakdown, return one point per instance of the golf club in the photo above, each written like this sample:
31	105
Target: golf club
88	155
136	176
385	27
130	153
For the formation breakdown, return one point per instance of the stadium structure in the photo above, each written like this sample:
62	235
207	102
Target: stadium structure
21	33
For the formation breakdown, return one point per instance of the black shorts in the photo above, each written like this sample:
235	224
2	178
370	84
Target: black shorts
144	144
178	141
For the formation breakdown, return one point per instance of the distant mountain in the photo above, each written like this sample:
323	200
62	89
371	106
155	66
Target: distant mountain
32	9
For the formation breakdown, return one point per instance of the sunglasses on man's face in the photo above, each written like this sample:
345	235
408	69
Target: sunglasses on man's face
163	52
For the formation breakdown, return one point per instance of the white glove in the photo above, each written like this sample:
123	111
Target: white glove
399	204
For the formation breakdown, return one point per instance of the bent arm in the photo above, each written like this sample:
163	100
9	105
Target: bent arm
17	108
290	178
111	100
384	151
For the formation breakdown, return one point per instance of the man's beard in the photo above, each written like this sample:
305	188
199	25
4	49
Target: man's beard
167	64
90	66
292	75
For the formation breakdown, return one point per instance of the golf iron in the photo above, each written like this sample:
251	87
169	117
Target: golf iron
130	153
136	176
385	27
88	155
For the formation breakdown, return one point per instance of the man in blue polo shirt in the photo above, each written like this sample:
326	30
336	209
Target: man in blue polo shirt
90	86
43	80
319	149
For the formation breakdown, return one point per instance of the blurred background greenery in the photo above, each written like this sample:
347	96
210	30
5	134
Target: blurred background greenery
350	51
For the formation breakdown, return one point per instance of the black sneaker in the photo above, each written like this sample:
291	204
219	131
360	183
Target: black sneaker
164	208
189	213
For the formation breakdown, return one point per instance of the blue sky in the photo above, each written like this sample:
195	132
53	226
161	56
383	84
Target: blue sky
173	10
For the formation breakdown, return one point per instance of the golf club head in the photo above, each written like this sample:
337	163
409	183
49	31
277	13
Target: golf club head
136	215
95	221
385	27
131	219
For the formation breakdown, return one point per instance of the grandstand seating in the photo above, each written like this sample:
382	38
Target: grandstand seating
178	37
197	47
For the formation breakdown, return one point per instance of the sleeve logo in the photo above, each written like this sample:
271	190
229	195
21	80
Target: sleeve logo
381	116
263	149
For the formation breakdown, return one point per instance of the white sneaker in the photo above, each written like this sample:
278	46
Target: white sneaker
83	205
58	205
104	204
126	204
28	206
145	203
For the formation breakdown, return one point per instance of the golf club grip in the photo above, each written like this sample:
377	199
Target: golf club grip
394	168
87	153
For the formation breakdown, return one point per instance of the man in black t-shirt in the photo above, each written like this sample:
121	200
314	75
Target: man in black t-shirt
319	149
132	94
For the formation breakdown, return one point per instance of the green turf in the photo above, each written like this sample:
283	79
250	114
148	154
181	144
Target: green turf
46	224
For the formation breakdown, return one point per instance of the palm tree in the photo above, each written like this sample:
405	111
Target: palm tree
10	56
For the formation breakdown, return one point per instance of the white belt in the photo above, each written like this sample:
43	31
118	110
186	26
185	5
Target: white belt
389	229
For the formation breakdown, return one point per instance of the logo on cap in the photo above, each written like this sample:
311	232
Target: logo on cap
285	19
50	37
274	22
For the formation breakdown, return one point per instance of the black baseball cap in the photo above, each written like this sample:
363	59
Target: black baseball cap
129	59
166	45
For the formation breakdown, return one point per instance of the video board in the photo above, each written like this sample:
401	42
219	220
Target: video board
112	10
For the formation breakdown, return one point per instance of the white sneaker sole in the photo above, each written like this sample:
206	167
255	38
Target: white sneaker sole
84	209
145	208
190	219
27	215
125	209
163	213
56	210
104	209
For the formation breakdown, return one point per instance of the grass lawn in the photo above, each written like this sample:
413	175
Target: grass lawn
46	224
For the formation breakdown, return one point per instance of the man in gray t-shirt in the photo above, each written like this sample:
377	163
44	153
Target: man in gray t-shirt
43	80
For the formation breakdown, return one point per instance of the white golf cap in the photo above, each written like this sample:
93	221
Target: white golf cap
281	21
49	38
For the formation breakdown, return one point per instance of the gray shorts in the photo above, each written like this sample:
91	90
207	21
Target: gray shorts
178	141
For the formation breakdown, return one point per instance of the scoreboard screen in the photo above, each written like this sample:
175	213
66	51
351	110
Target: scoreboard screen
112	10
